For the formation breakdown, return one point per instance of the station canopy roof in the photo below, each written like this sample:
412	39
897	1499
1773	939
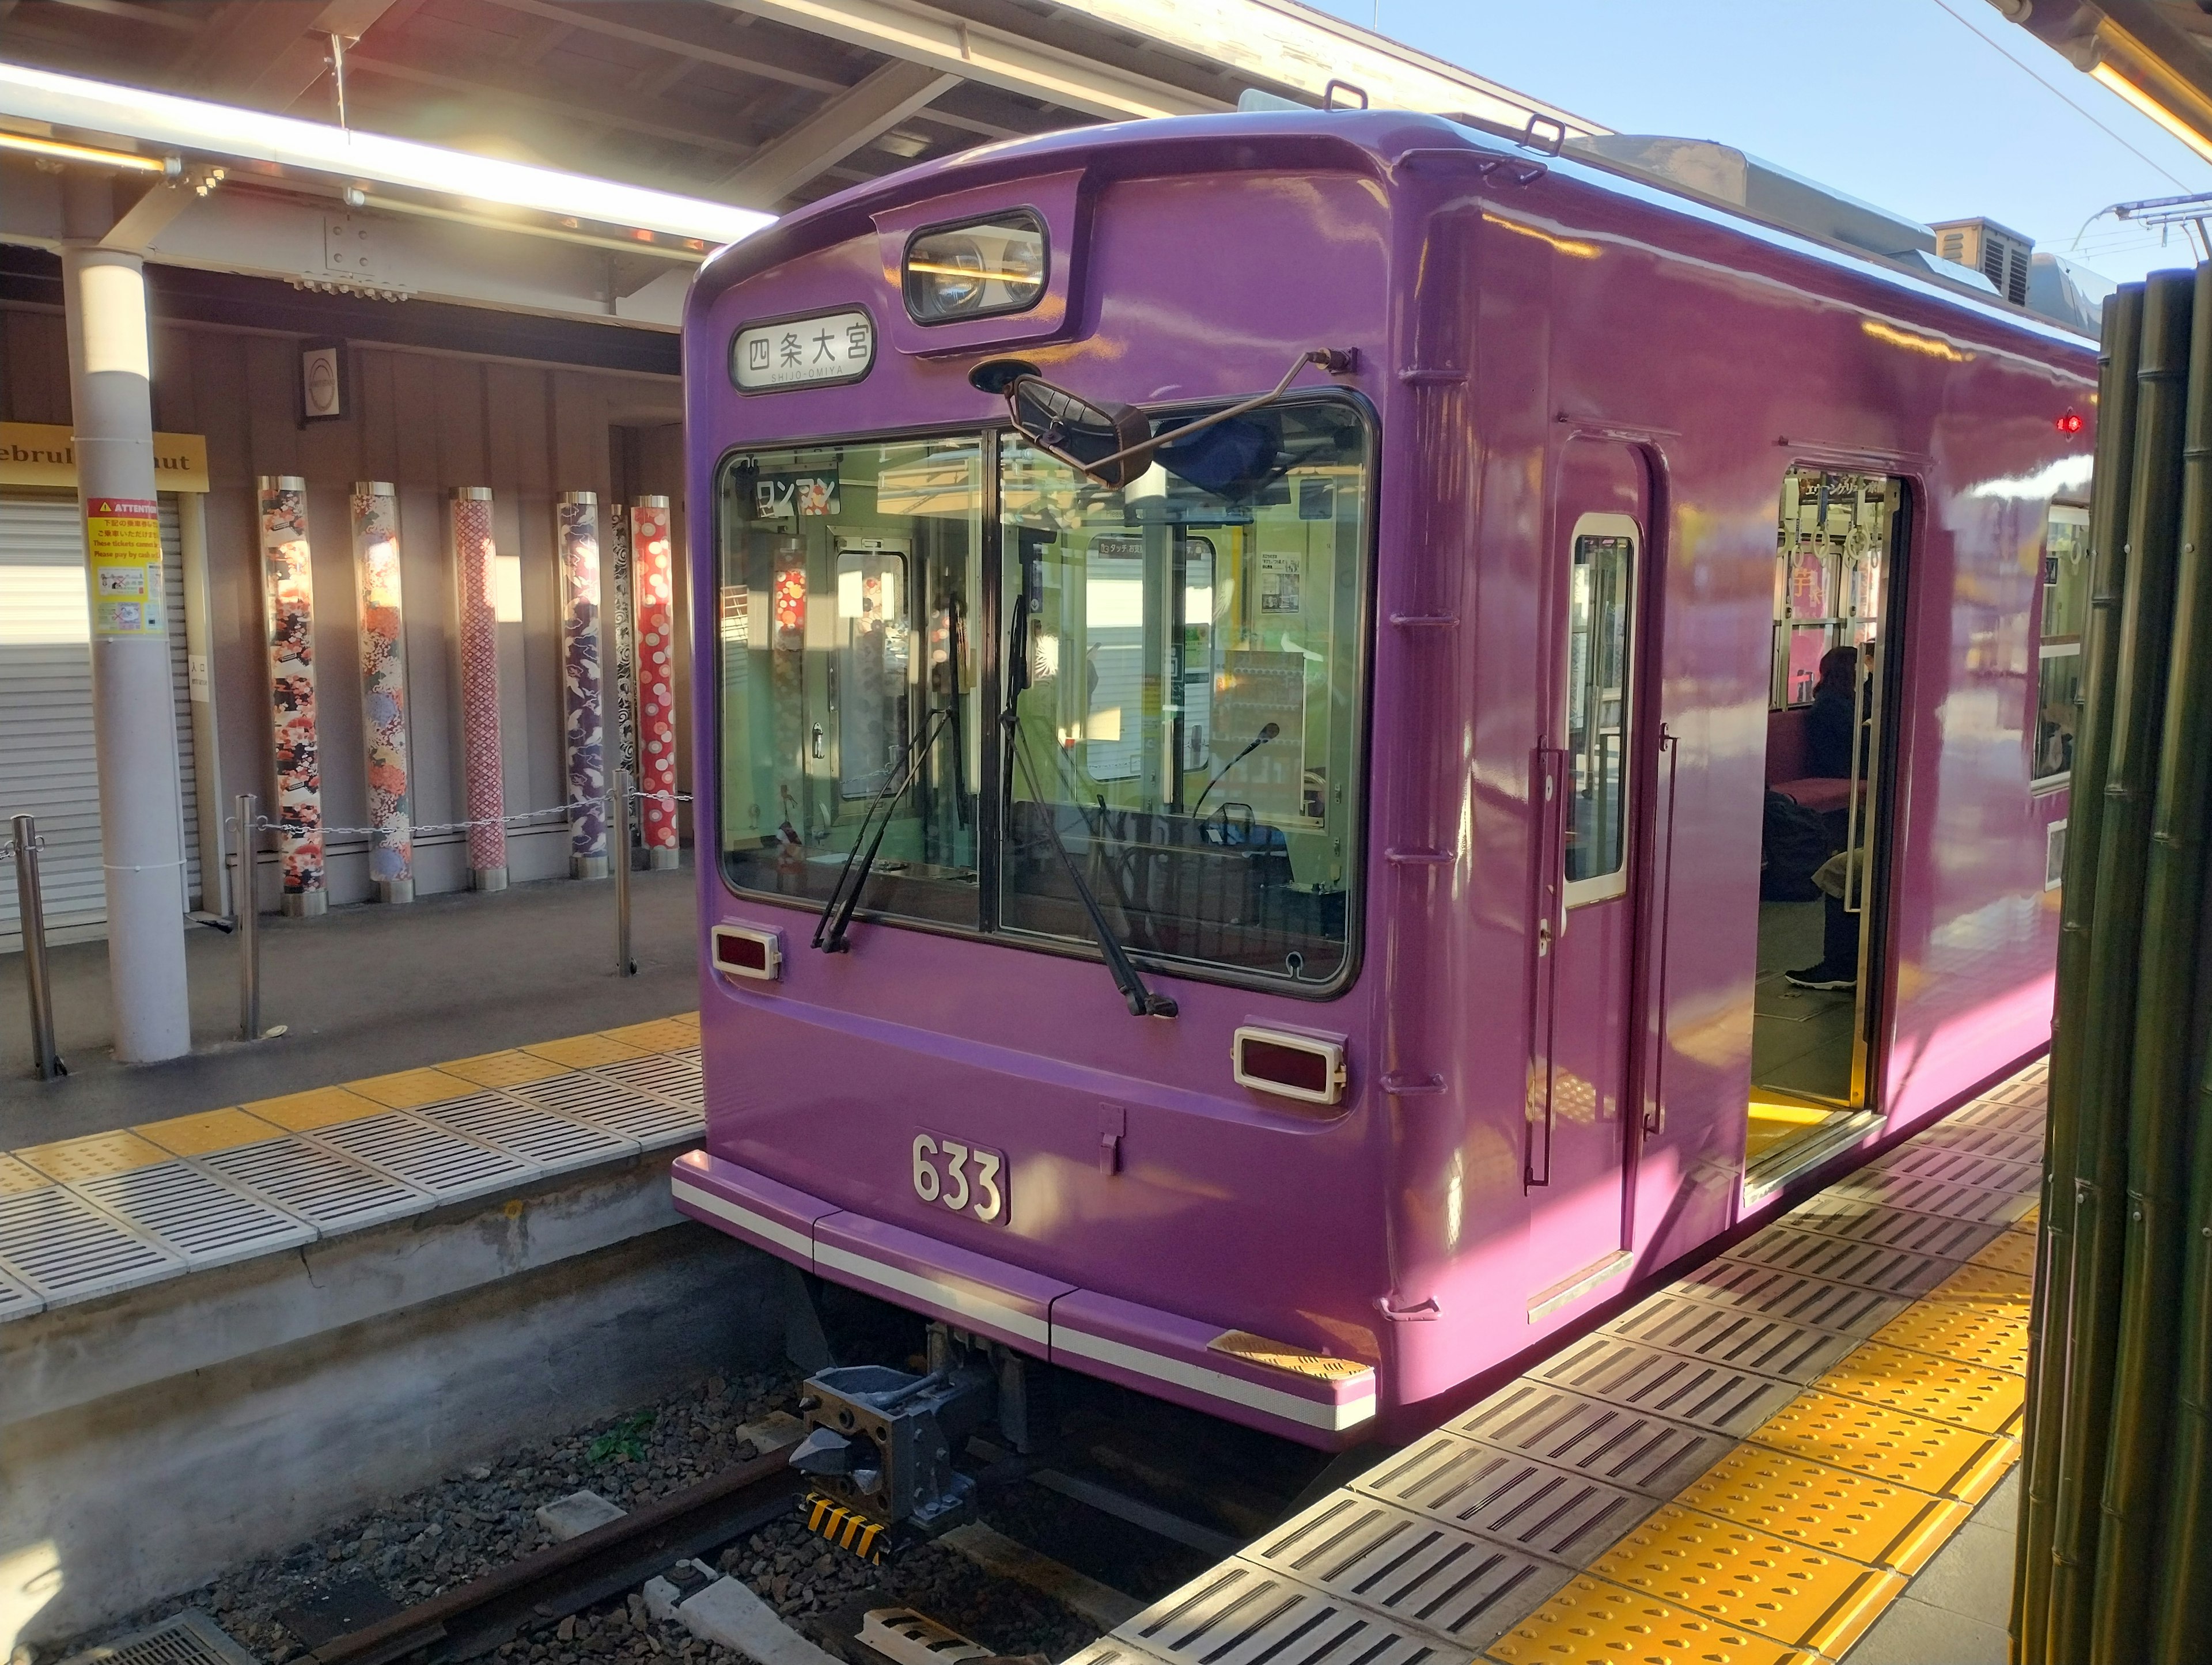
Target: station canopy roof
2156	54
576	159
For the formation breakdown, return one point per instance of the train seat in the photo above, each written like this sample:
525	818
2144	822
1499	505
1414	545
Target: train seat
1785	765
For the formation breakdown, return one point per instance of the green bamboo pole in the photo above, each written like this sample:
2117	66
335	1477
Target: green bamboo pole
2123	840
2162	743
2108	520
2184	1616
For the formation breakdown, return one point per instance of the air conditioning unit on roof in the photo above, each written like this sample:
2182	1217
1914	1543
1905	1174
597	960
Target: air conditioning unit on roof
1983	246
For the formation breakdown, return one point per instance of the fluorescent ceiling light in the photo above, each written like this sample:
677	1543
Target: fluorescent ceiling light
316	146
2111	78
60	151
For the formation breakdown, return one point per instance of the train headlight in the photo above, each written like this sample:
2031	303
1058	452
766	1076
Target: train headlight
1293	1066
977	268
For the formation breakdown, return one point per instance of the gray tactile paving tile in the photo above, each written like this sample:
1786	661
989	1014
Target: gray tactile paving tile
651	1122
1795	1296
65	1249
670	1075
1937	1198
1237	1614
1507	1495
1991	1139
427	1157
18	1300
553	1142
1741	1338
333	1192
189	1212
1622	1447
1458	1586
1722	1397
1848	1260
1955	1164
1841	1213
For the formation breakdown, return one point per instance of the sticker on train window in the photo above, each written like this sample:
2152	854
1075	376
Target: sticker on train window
803	352
967	1179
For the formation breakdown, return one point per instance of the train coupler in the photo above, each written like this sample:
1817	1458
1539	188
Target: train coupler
879	1441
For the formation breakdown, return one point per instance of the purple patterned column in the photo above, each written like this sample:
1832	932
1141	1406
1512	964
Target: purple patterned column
583	724
653	573
289	597
384	689
475	564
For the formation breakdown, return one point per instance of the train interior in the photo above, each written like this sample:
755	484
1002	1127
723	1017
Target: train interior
1836	547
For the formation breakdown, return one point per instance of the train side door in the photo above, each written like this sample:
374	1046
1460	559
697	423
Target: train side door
1584	776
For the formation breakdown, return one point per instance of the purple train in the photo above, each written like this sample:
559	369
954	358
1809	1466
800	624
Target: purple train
1382	734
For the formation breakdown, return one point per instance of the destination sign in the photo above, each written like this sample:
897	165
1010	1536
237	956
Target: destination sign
803	352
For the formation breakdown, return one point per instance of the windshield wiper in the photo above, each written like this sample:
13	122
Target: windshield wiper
1143	1002
830	937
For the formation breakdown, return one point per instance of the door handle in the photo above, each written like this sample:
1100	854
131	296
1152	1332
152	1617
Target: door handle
1655	1108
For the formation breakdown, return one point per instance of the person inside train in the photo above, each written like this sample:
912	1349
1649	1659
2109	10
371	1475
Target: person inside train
1836	712
1839	711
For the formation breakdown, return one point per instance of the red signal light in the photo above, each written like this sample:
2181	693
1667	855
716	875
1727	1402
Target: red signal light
2070	422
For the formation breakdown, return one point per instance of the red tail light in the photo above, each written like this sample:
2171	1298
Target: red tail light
741	952
1300	1067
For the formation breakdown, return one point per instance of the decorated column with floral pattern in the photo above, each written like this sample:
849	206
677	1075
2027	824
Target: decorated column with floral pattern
652	567
288	590
476	565
384	689
583	725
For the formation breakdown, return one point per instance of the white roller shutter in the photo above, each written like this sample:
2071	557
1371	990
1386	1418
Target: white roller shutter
47	764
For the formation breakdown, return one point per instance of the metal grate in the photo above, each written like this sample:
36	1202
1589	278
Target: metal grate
191	1638
1738	1337
17	1301
1615	1444
335	1193
1932	1196
195	1214
1236	1615
1420	1573
1844	1259
67	1250
1991	1139
1706	1395
1507	1497
678	1079
618	1108
555	1143
1948	1164
1792	1295
427	1157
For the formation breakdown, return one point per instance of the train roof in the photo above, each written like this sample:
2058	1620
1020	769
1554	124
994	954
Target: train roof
1374	141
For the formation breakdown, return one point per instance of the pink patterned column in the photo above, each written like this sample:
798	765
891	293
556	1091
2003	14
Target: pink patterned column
290	595
384	689
476	563
652	566
583	718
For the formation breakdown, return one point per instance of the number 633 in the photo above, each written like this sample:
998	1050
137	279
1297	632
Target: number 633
968	1179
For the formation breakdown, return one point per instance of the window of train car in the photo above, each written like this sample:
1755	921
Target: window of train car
1190	720
2059	672
1831	548
847	575
1601	673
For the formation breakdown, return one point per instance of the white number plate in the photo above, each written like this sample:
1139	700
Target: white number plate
968	1179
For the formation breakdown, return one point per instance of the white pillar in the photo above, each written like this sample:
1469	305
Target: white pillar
134	713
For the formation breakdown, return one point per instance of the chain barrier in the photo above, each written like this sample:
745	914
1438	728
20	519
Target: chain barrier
263	824
8	847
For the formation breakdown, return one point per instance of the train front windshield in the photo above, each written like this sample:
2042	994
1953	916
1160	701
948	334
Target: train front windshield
1172	693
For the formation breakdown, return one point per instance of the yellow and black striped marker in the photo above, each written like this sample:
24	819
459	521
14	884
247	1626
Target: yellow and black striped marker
847	1529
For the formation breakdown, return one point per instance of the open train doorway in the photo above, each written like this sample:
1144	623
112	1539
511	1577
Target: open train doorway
1831	736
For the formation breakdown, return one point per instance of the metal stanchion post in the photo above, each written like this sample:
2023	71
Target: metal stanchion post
246	908
618	856
30	914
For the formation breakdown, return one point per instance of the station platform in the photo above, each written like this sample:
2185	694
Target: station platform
1801	1452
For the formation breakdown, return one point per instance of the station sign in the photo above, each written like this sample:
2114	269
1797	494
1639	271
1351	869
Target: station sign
45	454
815	351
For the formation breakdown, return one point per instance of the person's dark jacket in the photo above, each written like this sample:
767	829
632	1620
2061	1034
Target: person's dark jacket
1828	727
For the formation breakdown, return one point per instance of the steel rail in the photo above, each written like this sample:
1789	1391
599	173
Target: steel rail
472	1619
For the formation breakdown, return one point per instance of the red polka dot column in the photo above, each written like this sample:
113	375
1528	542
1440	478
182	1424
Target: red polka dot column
475	564
653	573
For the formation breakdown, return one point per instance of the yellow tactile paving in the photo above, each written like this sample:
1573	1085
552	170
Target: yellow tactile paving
1872	1522
661	1035
1944	1389
504	1069
689	1020
318	1107
210	1130
582	1051
1787	1591
1889	1444
2010	1250
93	1156
1978	1314
1588	1621
406	1089
14	1177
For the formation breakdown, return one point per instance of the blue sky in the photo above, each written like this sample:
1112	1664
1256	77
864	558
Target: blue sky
1911	104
